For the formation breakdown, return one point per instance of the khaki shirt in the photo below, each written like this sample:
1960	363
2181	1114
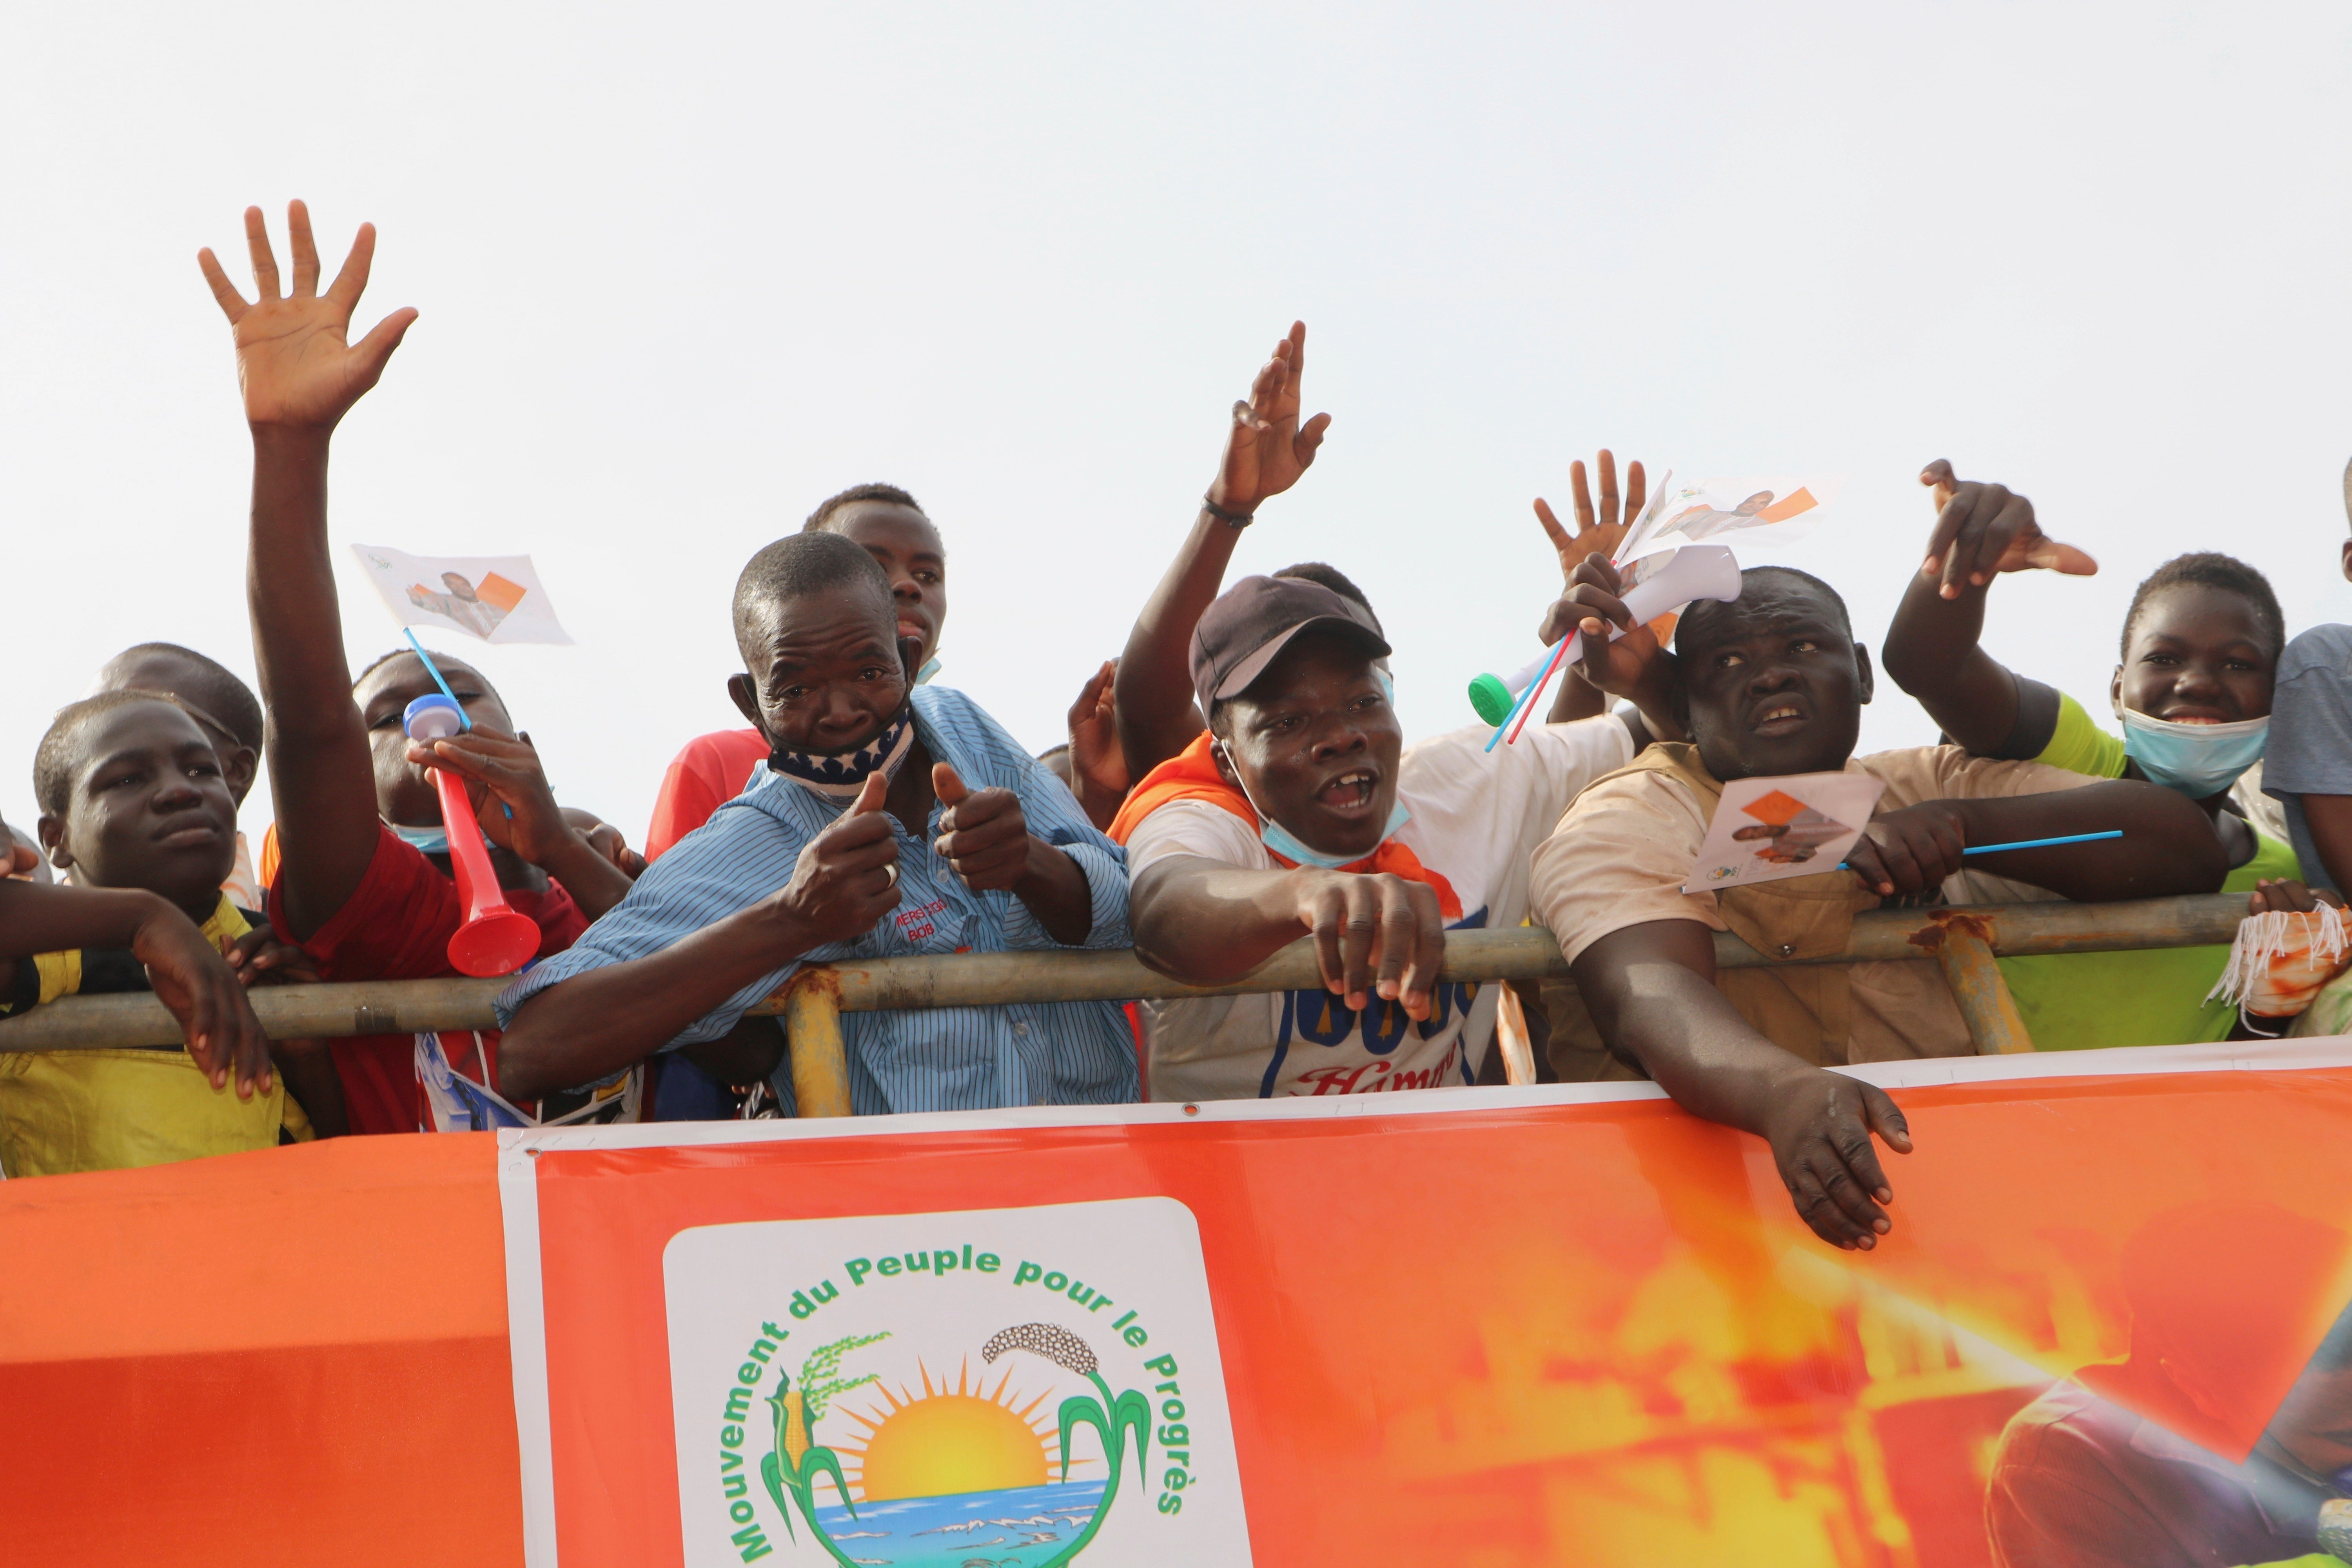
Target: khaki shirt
1622	851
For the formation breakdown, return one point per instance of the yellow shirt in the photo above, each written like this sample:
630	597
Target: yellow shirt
106	1110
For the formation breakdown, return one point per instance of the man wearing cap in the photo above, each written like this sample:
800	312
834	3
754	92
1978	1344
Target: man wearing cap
1299	813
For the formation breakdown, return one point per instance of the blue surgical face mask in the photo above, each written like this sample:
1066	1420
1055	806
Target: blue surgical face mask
429	840
1284	843
432	840
1287	844
2198	760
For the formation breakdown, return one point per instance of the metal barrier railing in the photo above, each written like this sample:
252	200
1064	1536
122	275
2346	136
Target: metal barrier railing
1964	941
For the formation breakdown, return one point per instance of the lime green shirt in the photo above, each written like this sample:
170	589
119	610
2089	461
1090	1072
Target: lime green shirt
2077	1001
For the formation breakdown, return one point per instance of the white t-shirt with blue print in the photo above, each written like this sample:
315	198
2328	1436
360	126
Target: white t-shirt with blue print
1477	817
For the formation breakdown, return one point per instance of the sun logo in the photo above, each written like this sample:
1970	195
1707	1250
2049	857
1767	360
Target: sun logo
942	1441
950	1462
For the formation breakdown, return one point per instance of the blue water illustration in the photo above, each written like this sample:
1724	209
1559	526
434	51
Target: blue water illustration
1016	1528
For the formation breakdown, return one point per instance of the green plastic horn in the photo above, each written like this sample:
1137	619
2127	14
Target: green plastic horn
1491	698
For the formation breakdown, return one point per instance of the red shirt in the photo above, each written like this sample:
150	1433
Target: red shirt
396	925
711	771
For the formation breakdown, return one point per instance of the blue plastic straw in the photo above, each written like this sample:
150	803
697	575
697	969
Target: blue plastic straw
2028	844
2043	843
435	671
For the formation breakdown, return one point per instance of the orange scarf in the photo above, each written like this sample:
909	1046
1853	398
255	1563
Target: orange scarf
1191	774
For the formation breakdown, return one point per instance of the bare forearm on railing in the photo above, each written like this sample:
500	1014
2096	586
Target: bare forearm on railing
601	1020
1199	920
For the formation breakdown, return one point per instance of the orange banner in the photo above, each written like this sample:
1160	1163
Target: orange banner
1487	1327
1484	1327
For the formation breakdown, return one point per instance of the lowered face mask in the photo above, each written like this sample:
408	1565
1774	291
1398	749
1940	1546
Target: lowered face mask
426	840
2198	760
1284	843
839	775
1287	844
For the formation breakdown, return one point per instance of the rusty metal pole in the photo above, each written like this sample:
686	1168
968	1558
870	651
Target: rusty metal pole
813	1030
1963	948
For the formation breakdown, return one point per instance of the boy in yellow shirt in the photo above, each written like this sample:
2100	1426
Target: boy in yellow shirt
133	797
2192	693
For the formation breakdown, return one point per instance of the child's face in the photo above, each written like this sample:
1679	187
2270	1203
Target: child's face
2197	655
404	792
826	675
149	808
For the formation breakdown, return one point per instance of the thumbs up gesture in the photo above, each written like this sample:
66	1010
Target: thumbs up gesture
848	876
983	837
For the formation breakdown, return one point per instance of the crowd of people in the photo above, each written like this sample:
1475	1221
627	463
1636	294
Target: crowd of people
1236	780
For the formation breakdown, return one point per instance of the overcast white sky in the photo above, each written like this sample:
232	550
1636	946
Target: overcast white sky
685	270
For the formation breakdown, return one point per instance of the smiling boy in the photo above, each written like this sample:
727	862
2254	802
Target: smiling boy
889	820
2191	693
132	797
1772	685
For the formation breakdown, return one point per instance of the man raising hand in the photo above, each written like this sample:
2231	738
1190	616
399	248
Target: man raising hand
363	882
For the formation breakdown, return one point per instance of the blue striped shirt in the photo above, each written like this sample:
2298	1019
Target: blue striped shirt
938	1059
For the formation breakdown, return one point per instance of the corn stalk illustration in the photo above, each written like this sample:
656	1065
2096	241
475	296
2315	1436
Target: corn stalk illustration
796	1461
1110	1415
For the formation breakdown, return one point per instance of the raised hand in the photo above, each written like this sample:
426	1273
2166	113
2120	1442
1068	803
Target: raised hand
847	877
1818	1126
1599	531
1267	449
1374	935
294	359
1982	530
984	836
1097	764
190	977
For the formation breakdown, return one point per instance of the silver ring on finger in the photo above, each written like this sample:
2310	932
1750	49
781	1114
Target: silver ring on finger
893	872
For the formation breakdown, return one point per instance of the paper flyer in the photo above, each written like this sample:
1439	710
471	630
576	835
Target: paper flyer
1768	828
494	598
1758	512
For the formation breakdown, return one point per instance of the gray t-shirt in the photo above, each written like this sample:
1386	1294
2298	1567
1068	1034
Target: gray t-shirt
2310	746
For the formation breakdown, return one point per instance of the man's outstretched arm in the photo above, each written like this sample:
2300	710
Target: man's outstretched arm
1207	922
1651	991
1266	451
300	378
